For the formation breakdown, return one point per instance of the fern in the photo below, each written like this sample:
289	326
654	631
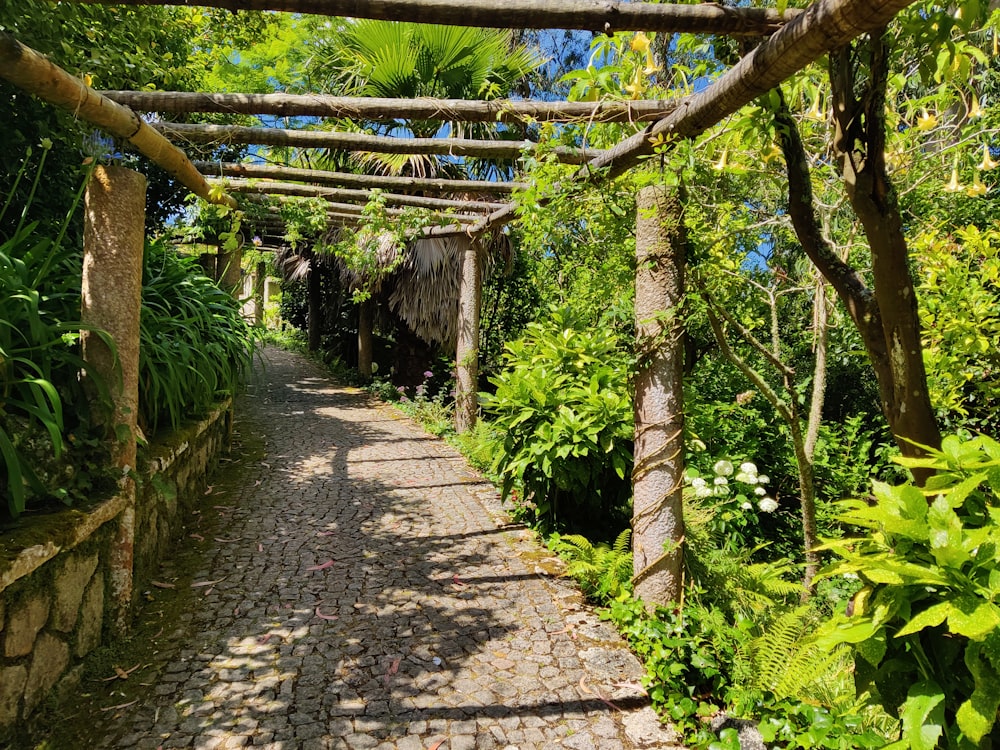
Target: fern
603	572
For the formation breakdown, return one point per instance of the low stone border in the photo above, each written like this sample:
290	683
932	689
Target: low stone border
54	593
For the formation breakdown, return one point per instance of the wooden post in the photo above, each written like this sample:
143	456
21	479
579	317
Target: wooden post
365	348
657	479
229	271
259	277
315	302
114	235
467	349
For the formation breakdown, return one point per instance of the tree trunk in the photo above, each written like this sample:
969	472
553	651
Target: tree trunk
657	478
467	349
114	236
315	310
859	145
365	348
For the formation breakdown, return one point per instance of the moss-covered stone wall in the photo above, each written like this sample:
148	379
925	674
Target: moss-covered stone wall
54	586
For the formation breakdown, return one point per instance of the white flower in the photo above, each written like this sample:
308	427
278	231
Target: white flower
748	467
721	481
745	478
768	505
723	468
746	506
763	478
759	491
703	492
698	482
851	576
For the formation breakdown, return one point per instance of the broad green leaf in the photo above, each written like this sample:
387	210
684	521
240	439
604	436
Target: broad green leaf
977	716
929	618
973	618
946	534
923	715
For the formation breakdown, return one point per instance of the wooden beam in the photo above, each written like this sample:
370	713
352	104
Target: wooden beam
28	70
602	16
350	209
365	142
828	24
375	108
264	187
346	179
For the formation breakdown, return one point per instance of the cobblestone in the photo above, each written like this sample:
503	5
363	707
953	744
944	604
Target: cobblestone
368	593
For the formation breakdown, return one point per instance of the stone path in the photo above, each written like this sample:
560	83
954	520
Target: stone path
364	592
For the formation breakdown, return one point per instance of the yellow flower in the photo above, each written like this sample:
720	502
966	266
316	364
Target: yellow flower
87	79
640	43
723	161
987	163
635	88
953	186
651	66
926	121
815	113
771	153
977	188
974	110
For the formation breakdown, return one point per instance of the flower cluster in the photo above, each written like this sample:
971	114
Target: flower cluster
721	486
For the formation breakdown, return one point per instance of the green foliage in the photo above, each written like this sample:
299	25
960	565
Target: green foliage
194	345
563	411
39	360
603	571
959	289
925	627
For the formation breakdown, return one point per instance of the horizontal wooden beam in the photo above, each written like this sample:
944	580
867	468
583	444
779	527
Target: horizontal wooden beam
365	142
827	25
346	179
604	16
28	70
375	108
264	187
355	210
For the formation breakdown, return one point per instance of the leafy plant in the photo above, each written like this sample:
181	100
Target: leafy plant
603	571
195	346
563	409
39	363
925	628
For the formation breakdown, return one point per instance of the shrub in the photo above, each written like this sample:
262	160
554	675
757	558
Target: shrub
564	413
925	628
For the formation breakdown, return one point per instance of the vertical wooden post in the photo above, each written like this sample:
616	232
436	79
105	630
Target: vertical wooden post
259	277
315	303
467	348
365	346
657	478
115	205
229	271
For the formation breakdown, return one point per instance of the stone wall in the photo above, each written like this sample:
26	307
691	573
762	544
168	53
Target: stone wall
54	587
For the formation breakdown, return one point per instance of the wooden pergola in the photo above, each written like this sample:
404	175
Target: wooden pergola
788	42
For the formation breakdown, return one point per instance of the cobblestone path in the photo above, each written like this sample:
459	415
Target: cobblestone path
364	592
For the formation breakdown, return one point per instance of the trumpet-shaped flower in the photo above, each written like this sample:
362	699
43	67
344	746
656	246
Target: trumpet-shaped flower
974	109
723	161
926	120
953	186
977	188
640	43
987	163
815	113
771	153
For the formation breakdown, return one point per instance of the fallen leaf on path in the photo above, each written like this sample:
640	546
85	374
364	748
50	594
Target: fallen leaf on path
199	584
260	547
393	668
597	694
325	617
265	638
121	705
199	537
265	465
436	745
456	581
220	539
162	585
321	566
208	491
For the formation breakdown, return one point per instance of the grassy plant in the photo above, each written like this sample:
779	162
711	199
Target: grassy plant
195	346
